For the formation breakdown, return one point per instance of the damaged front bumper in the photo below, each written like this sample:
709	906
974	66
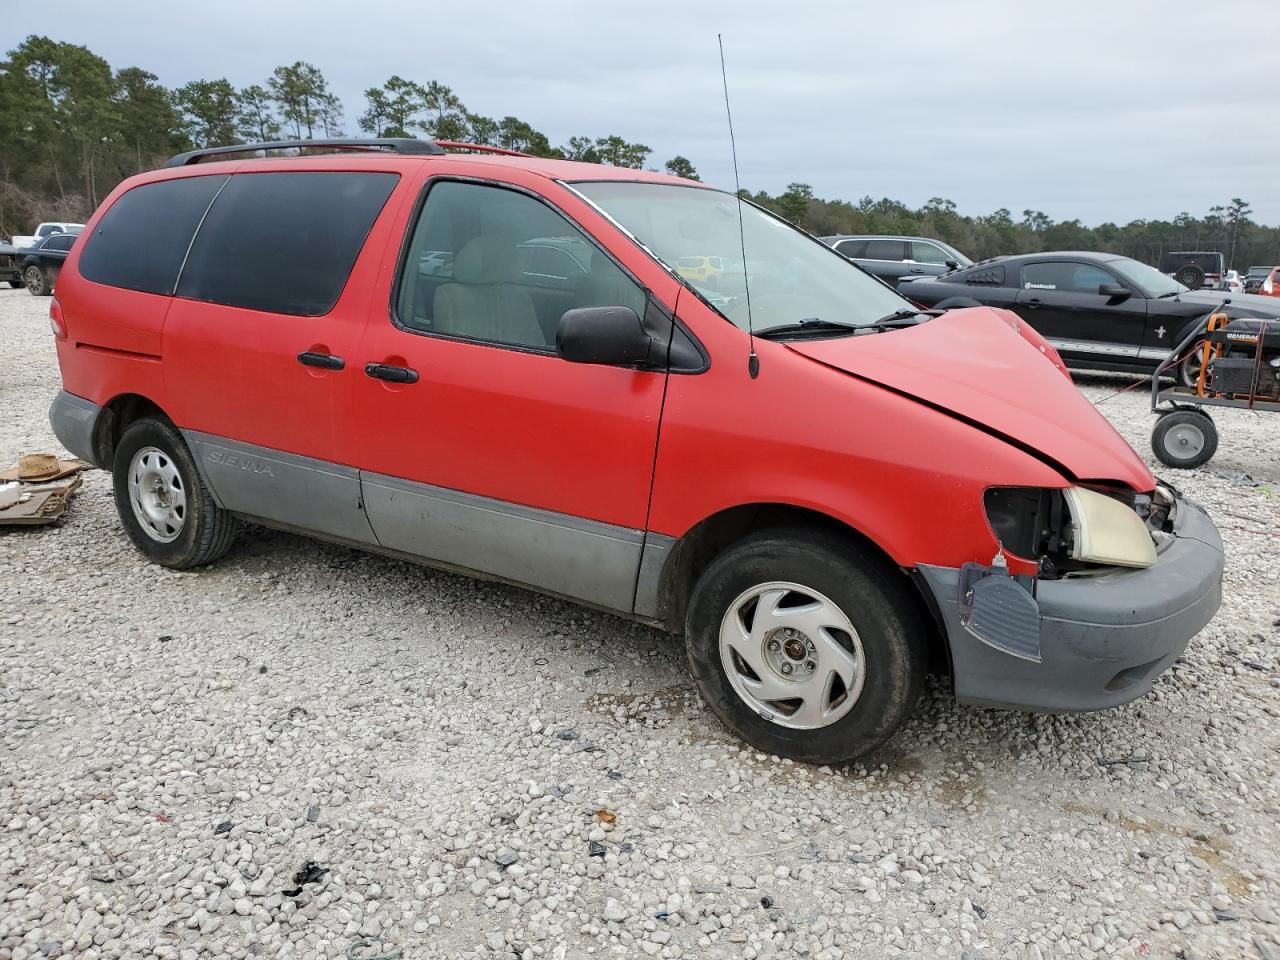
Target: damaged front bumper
1103	638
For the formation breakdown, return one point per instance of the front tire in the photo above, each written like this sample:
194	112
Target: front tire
806	645
164	505
1189	368
1184	439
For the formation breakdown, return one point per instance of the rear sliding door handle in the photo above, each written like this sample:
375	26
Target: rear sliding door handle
391	373
325	361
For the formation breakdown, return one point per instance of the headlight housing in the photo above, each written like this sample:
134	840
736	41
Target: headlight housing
1070	529
1106	531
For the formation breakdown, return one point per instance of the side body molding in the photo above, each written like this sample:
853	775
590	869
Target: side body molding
597	563
285	488
570	556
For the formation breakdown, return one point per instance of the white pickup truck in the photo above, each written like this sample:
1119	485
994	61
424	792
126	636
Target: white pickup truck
46	230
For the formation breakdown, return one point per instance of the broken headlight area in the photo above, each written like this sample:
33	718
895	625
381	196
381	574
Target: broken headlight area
1080	530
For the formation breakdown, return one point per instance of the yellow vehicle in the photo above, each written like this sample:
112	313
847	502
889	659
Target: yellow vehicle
699	268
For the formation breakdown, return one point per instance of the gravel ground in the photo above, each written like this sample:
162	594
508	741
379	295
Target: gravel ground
177	745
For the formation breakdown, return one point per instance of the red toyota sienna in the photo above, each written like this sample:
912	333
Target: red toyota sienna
493	363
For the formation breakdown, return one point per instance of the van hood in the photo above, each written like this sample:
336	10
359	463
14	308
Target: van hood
987	367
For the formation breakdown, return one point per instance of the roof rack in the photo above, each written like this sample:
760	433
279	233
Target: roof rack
480	148
403	145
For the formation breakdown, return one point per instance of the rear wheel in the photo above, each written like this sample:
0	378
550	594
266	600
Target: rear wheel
165	507
37	281
1184	439
1190	276
806	645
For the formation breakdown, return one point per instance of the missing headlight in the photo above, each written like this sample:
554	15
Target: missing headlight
1029	522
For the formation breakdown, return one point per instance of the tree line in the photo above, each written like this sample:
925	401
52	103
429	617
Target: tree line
72	127
1226	228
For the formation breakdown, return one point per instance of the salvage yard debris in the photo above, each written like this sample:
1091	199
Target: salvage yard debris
37	490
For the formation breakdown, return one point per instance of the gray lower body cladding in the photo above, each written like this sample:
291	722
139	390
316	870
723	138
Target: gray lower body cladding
1103	639
73	420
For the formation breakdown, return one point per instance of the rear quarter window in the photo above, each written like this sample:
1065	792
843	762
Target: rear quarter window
284	242
140	241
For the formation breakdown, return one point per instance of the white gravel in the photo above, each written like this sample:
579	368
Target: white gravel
176	745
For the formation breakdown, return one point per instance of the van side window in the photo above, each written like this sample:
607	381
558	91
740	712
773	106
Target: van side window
927	253
284	242
491	264
140	241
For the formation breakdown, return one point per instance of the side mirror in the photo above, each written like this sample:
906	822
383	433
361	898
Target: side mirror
613	336
1114	290
953	264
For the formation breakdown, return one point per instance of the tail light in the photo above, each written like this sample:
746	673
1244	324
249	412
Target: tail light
56	320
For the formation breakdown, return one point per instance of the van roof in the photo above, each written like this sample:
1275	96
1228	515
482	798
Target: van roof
554	169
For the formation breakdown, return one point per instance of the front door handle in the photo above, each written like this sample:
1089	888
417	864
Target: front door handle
325	361
1031	304
391	373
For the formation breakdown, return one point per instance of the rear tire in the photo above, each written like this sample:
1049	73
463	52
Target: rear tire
1184	439
827	602
37	282
1190	276
164	505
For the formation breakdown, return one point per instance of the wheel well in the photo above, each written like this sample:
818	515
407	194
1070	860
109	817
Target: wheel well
706	540
116	417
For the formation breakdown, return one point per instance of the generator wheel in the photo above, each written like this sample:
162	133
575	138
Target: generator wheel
1184	439
1190	276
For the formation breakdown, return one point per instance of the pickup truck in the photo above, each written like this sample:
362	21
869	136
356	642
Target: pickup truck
45	230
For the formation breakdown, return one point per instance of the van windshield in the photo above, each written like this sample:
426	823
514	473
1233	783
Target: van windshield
792	277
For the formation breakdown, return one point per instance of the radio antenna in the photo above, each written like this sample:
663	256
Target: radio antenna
753	362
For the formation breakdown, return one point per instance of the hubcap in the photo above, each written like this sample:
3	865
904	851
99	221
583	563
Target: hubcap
1184	441
35	280
157	494
792	655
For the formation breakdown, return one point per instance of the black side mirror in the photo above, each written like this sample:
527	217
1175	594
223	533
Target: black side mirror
953	264
1114	290
608	335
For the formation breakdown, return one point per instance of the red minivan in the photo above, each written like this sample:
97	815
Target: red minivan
494	364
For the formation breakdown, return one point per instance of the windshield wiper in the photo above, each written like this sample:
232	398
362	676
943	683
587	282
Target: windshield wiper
891	320
808	325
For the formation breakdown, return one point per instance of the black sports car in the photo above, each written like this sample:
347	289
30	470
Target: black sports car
40	264
1101	311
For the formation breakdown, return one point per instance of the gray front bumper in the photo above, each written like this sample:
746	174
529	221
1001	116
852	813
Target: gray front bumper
73	420
1103	639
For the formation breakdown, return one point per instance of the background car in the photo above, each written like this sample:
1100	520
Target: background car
11	264
1101	311
43	232
41	263
1232	283
1195	269
893	258
1270	286
1255	277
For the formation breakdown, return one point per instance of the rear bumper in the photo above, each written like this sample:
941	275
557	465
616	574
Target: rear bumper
73	420
1103	640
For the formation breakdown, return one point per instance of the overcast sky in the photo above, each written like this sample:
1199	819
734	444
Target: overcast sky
1101	111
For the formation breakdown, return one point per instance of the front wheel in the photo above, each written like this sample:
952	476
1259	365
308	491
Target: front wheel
37	281
1189	368
164	505
1184	439
805	645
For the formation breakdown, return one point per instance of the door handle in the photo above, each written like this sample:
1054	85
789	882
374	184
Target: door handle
391	373
325	361
1031	304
